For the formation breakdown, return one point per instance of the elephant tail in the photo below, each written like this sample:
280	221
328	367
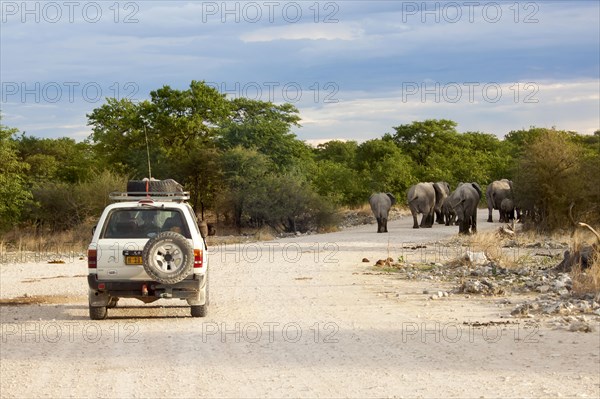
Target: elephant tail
414	197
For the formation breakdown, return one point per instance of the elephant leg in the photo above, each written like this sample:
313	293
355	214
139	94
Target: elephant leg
439	217
384	225
415	224
474	223
464	226
427	220
490	220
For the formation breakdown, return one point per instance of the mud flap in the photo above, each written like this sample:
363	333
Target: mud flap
98	299
201	298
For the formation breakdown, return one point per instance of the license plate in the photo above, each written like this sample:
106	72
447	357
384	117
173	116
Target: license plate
133	260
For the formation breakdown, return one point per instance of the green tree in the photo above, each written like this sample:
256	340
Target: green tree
420	140
169	121
340	183
265	127
61	159
386	168
13	191
342	152
243	171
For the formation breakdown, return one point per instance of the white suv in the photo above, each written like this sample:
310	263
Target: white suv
148	246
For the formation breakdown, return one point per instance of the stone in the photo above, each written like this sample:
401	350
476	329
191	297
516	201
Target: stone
581	326
476	258
543	289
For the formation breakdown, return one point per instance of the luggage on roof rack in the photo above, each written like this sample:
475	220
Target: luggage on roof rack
142	187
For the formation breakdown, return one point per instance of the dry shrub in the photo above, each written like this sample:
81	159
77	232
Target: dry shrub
491	244
587	281
361	210
553	172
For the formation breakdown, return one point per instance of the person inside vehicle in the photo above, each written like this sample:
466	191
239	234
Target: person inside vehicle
149	226
173	224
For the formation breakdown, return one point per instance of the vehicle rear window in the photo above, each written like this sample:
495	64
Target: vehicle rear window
144	223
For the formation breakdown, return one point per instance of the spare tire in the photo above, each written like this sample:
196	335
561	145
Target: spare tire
168	257
154	186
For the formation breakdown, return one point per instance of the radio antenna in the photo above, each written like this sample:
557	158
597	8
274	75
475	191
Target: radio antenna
148	154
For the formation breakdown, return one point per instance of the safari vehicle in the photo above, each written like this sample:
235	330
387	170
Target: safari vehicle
148	245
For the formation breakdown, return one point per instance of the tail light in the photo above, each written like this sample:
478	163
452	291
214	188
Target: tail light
92	258
197	258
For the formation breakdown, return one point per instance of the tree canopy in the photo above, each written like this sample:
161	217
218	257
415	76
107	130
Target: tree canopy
242	161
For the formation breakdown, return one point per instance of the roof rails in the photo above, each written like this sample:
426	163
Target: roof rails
177	196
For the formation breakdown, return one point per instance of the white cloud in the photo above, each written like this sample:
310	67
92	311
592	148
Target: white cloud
568	105
304	32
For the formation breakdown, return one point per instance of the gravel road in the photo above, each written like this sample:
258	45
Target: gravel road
294	317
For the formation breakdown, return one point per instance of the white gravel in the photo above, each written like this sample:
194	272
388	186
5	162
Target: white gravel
294	317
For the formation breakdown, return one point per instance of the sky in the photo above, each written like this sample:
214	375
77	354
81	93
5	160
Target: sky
354	69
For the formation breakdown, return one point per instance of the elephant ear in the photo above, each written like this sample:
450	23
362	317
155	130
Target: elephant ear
392	198
478	188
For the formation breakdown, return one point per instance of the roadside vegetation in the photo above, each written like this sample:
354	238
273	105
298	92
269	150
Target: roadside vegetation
246	168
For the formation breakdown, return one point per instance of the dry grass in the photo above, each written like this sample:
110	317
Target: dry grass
41	242
491	244
586	281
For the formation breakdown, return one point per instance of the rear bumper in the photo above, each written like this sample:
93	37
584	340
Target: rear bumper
102	290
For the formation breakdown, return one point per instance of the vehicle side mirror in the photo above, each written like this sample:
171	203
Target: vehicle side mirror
94	229
211	229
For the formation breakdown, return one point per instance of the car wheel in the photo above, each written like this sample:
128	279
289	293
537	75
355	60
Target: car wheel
199	311
113	302
168	257
98	312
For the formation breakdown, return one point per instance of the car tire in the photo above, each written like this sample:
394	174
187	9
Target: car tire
154	186
199	311
168	257
112	303
98	312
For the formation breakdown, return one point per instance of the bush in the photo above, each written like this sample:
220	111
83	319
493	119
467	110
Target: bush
552	173
61	206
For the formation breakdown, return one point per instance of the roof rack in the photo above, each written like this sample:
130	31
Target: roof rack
177	196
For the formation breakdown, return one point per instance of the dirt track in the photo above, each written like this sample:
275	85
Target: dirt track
297	317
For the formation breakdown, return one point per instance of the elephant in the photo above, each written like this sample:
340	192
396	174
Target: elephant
464	201
448	210
380	205
444	192
422	199
507	210
495	193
